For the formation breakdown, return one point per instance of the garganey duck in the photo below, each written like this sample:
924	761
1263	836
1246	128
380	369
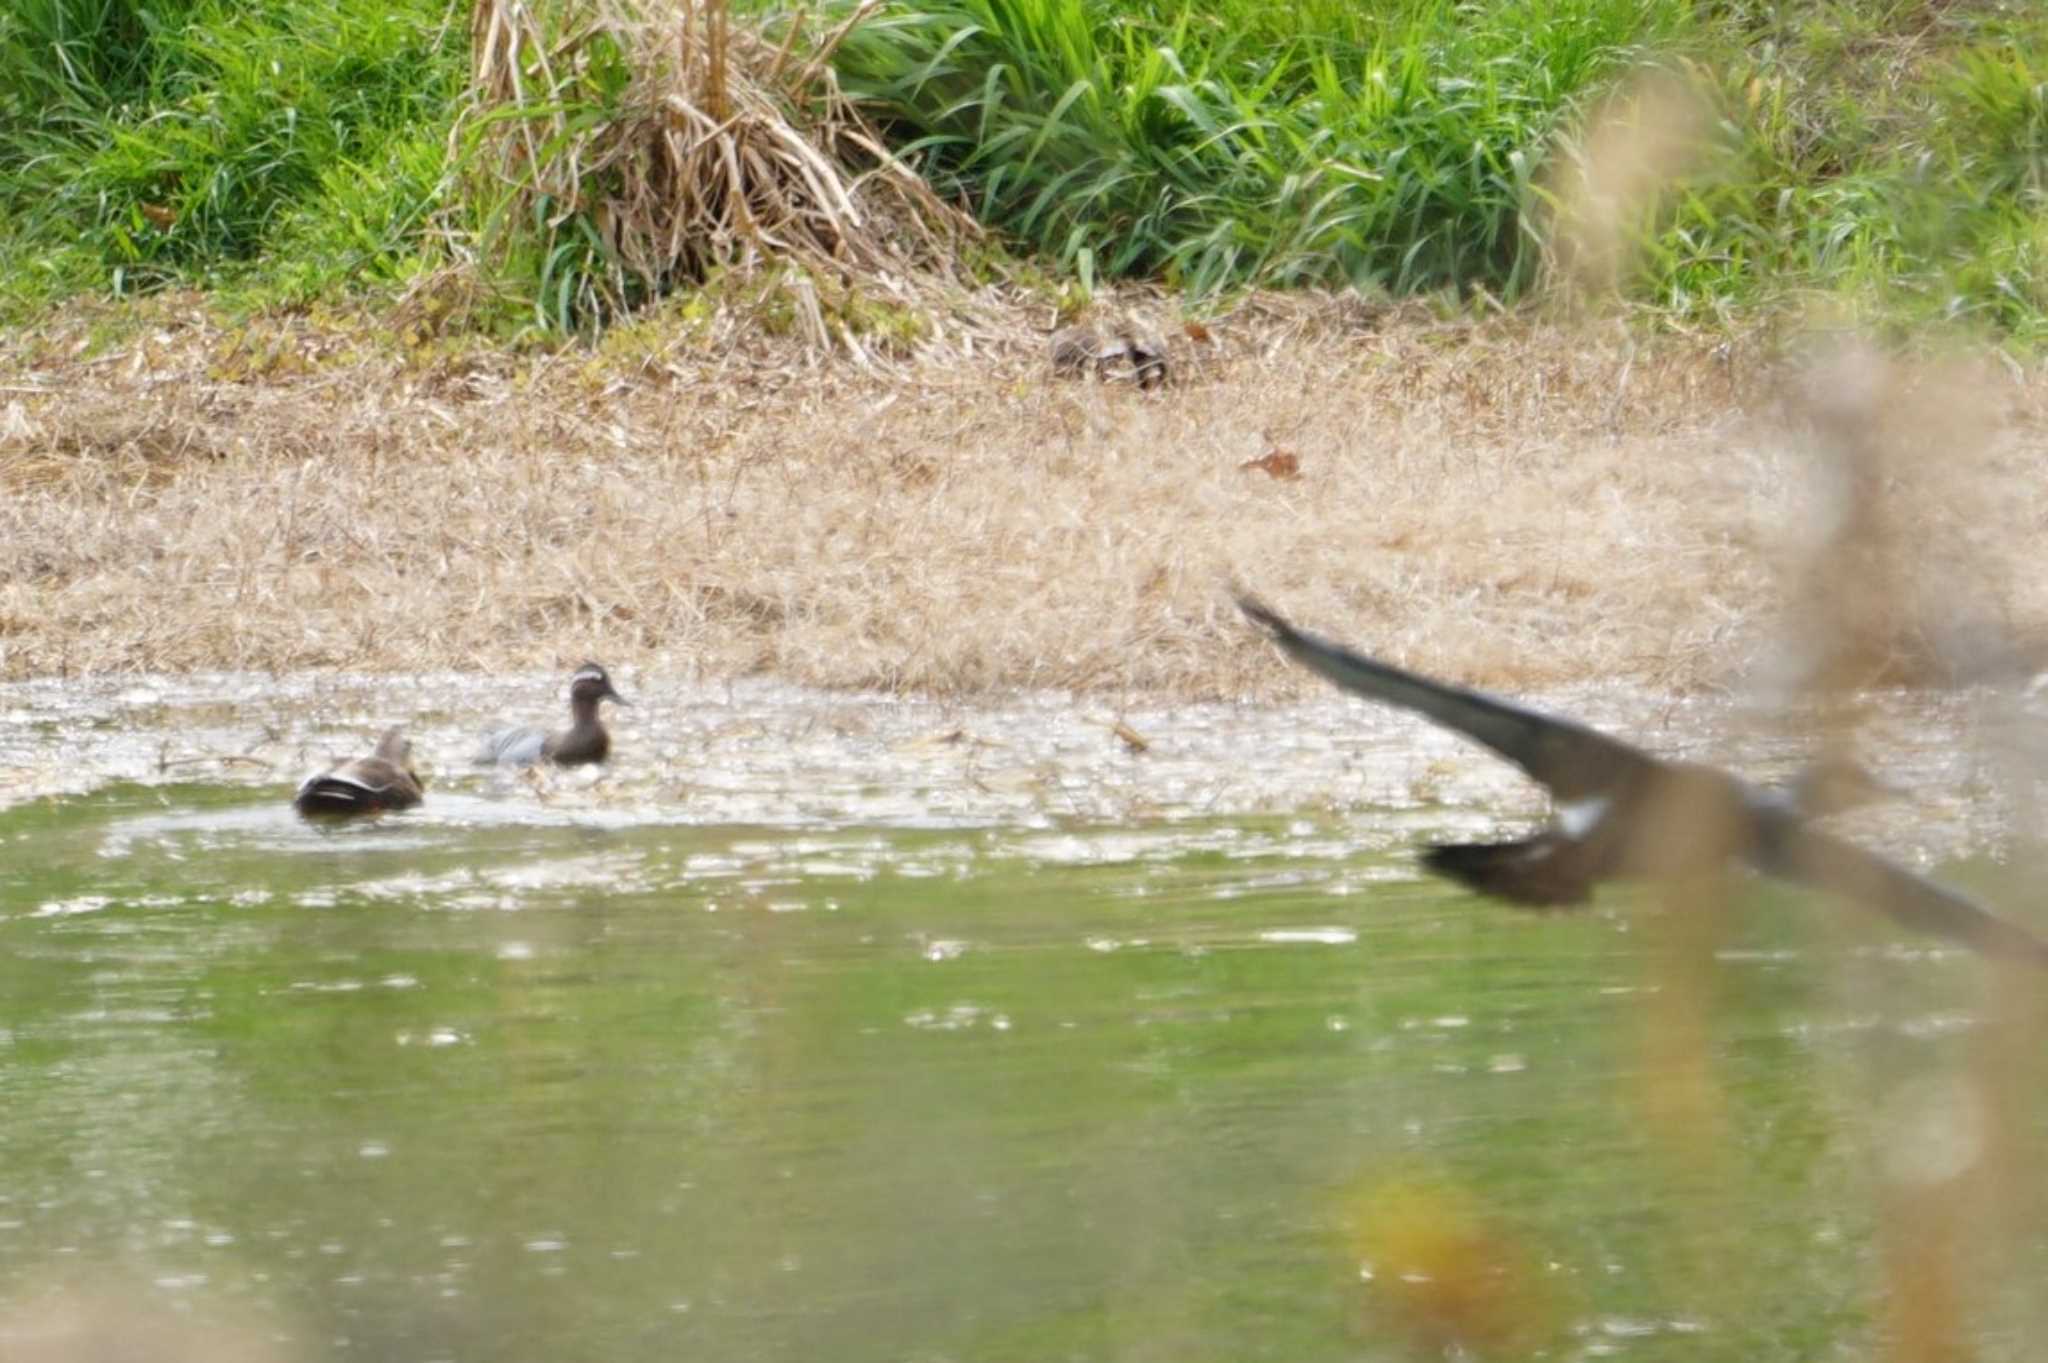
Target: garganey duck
1618	812
585	740
362	785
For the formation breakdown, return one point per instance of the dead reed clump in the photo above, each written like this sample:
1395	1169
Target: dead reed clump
639	146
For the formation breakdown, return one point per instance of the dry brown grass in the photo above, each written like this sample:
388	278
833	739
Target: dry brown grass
721	148
1509	504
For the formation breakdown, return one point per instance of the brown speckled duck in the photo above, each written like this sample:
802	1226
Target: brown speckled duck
1078	352
364	785
1619	812
585	740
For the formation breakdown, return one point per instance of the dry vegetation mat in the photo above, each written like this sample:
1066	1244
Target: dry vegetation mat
1508	503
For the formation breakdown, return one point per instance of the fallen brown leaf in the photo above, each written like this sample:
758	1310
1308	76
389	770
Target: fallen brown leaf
1283	464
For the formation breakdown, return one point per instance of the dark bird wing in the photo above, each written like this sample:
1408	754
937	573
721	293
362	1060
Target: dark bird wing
1574	761
344	790
1547	871
1815	857
329	794
364	783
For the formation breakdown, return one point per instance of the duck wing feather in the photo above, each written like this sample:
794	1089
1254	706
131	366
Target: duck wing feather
1576	762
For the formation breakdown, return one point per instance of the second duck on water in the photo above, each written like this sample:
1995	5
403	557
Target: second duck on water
364	785
585	740
1620	812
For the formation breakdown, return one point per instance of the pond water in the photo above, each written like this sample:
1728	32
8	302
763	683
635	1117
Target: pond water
847	1028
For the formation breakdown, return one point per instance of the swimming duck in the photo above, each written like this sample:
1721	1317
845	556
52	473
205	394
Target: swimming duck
1619	812
585	740
362	785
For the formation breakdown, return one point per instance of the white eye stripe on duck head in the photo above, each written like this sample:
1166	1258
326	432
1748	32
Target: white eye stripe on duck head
591	682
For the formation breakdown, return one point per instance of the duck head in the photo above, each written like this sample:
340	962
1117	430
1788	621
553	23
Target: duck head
394	747
590	685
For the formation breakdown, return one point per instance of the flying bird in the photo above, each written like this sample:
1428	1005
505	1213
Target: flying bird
1619	812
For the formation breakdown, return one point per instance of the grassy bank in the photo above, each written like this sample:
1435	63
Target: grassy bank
1890	158
292	149
1393	146
1893	156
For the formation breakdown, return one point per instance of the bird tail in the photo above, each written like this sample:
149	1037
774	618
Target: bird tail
1528	873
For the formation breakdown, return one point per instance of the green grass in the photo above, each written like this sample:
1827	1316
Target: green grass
294	145
1888	158
1891	157
1892	154
1391	147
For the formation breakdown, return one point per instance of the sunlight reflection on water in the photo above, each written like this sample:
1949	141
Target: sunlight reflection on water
777	756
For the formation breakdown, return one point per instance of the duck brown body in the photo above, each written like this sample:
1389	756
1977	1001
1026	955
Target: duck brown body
384	780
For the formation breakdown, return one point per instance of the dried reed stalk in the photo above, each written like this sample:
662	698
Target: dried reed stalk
684	146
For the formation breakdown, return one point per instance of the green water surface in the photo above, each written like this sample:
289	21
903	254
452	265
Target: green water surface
457	1086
